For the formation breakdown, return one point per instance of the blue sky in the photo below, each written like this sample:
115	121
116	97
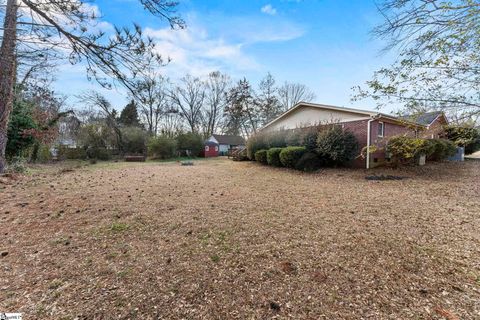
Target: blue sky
325	44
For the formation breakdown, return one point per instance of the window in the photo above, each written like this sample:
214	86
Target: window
216	148
381	129
207	148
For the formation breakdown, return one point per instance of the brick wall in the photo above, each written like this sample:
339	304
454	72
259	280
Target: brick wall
359	129
436	129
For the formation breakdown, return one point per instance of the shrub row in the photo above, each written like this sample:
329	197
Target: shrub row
305	149
403	149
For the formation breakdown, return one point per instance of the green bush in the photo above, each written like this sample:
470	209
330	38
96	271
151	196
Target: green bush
261	156
190	144
134	140
403	149
310	161
290	156
273	157
337	145
99	153
161	147
441	149
44	155
17	165
266	140
65	153
464	136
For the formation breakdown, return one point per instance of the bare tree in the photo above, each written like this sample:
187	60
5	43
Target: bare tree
215	101
96	100
292	93
151	96
438	64
72	26
189	97
267	99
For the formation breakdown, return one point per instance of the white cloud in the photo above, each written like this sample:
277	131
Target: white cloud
269	9
193	50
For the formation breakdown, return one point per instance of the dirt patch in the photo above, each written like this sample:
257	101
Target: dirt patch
236	240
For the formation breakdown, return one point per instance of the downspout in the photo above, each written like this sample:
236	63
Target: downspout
368	140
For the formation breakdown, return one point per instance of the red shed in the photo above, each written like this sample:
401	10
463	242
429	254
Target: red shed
211	149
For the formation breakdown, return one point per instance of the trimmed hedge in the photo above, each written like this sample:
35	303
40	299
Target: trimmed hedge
290	156
309	162
273	157
261	156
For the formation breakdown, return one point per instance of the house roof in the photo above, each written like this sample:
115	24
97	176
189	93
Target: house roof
366	113
230	140
424	119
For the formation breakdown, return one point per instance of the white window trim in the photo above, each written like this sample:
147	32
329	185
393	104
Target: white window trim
207	148
383	129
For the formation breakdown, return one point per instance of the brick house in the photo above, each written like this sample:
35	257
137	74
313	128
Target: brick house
434	123
372	129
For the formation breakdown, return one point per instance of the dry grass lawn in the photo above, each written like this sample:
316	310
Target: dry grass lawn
231	240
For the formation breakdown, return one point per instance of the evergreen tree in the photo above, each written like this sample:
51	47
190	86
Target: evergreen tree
129	115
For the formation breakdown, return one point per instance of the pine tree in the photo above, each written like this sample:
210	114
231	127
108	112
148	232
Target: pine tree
129	115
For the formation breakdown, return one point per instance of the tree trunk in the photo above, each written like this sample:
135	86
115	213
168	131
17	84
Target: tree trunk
7	75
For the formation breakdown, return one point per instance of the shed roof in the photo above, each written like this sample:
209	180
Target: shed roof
229	139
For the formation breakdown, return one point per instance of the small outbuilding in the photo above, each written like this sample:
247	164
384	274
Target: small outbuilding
210	149
226	143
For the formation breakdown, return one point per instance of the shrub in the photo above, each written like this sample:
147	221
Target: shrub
134	140
190	144
441	149
161	147
98	153
275	139
71	153
404	149
337	145
44	155
273	157
17	165
261	156
309	138
463	136
310	161
290	156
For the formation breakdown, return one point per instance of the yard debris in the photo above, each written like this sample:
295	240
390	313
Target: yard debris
277	244
187	163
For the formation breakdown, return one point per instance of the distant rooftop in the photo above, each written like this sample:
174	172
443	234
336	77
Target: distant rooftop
424	119
230	140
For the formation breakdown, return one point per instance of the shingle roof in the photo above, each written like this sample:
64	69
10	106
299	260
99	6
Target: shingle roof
424	118
230	140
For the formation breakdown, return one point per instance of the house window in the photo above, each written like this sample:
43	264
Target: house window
207	148
216	148
381	129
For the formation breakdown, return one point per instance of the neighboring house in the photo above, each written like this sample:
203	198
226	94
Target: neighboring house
226	143
372	129
434	123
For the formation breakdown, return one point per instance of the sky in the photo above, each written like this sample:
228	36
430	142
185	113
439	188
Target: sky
324	44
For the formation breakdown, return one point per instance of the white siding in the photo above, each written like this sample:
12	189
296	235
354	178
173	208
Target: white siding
308	116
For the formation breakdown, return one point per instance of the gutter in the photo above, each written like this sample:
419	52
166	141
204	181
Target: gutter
369	125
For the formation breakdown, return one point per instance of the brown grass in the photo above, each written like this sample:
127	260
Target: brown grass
230	240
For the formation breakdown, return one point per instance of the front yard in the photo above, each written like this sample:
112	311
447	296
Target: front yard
223	240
